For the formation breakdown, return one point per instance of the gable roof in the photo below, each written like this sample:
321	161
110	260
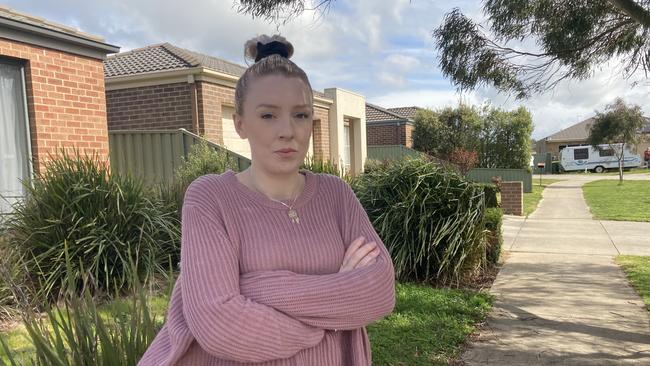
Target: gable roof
34	20
408	112
34	30
376	113
164	56
580	131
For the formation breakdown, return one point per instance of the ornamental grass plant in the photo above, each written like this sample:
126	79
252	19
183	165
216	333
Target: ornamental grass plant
429	217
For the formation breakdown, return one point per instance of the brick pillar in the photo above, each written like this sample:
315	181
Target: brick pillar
512	198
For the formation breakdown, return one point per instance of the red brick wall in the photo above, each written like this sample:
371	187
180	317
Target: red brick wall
150	107
382	135
321	133
408	133
512	198
65	99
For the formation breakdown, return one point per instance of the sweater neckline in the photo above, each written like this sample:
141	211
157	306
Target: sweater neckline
311	185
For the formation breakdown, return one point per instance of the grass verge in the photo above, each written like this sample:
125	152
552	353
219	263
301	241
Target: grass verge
637	269
531	200
610	201
428	325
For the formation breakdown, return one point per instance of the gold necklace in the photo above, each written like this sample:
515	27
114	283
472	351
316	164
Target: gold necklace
291	212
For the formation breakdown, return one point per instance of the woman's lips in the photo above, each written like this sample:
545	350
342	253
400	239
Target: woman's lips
286	152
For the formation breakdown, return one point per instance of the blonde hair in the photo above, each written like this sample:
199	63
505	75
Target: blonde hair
267	64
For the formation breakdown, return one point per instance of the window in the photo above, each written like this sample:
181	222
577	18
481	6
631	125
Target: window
346	148
581	154
606	152
14	144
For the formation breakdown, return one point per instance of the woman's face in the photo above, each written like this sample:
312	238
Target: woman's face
277	120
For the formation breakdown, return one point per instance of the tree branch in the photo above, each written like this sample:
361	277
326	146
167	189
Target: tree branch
634	11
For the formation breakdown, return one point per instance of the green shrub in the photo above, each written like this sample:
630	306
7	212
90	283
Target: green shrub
493	223
201	160
490	191
76	333
430	218
106	221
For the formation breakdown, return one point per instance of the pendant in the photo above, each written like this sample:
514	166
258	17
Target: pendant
293	215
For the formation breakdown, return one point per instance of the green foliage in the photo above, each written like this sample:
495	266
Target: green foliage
501	138
322	166
617	127
12	279
440	133
490	191
430	219
105	221
573	37
428	326
201	160
493	223
505	139
76	333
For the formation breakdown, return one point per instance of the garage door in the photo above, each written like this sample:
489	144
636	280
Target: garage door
233	142
231	139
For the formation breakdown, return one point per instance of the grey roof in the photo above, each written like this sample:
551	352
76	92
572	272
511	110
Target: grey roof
25	18
164	56
375	113
408	112
580	131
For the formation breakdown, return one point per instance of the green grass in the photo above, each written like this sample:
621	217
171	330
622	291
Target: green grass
610	201
428	325
531	200
18	340
638	272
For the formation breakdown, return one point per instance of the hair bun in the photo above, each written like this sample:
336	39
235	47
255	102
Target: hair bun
263	46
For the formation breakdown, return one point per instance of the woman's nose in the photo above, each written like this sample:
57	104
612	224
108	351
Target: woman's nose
285	126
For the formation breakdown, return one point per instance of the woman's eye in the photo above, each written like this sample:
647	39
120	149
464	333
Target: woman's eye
303	115
267	116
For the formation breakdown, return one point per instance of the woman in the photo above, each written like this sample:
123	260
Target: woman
278	266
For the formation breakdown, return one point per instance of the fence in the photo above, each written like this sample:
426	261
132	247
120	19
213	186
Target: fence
155	155
484	175
390	152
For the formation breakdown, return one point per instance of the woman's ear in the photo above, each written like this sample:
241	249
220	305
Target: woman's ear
239	125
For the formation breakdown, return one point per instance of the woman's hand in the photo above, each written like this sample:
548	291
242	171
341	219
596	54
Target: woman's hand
359	254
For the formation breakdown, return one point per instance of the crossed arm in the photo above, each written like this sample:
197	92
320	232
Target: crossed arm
267	315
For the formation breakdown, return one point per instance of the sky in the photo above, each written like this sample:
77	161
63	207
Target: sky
382	49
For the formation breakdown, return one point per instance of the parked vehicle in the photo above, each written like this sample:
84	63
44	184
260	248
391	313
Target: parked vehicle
577	158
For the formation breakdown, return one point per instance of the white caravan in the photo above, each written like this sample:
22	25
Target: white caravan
576	158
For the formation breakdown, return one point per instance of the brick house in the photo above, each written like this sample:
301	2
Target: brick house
51	96
390	126
577	135
164	87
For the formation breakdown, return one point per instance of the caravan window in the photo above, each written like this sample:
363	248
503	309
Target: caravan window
581	154
606	152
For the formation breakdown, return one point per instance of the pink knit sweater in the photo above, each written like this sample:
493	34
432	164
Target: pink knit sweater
255	287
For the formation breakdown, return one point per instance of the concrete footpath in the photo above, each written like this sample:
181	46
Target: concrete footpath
560	298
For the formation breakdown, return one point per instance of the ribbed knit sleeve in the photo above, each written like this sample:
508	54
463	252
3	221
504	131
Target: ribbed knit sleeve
347	300
224	322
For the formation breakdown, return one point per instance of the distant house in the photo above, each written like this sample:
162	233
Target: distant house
390	126
577	135
51	96
163	86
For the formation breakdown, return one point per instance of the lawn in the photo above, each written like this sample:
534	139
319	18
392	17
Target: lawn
610	201
427	327
531	200
638	272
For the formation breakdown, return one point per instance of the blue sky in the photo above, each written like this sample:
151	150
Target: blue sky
379	48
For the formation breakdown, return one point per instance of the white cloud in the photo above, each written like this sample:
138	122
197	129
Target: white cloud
402	62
